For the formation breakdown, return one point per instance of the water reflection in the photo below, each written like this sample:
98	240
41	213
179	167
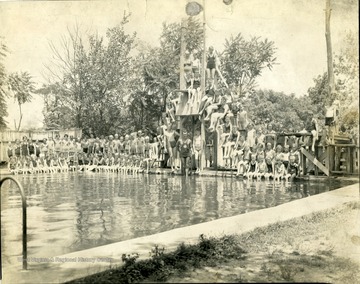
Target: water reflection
74	211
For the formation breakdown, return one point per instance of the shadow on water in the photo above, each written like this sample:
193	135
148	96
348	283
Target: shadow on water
73	211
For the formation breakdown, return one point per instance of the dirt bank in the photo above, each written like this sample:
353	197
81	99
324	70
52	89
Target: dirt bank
321	247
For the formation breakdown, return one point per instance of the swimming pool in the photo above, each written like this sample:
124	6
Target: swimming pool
73	211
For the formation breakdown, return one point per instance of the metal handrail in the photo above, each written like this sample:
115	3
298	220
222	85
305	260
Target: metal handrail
24	236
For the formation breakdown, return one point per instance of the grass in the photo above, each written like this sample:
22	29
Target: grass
161	265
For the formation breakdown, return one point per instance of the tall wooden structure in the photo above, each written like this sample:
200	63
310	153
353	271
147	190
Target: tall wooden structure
185	108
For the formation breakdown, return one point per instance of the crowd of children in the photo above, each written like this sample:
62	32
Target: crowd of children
265	162
254	153
254	150
258	151
131	153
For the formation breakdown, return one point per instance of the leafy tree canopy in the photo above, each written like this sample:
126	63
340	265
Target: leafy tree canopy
243	61
22	87
346	71
92	82
283	111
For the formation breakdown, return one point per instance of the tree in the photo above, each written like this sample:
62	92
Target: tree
3	83
281	110
64	93
243	61
346	70
319	93
92	81
57	112
159	69
22	87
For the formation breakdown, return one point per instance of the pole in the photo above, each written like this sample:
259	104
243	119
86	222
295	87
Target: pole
203	70
182	52
203	87
331	89
182	71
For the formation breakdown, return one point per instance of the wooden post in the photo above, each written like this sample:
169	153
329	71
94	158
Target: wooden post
354	157
215	147
303	164
331	89
182	53
181	67
182	86
348	160
331	158
337	158
316	170
203	86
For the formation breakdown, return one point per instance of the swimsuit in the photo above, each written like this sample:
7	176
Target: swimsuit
197	82
121	147
211	61
10	152
185	148
252	167
24	150
147	150
227	128
293	169
17	151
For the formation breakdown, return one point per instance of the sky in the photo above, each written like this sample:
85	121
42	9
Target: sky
297	28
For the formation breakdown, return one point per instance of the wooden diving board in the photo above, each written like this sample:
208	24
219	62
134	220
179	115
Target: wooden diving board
315	161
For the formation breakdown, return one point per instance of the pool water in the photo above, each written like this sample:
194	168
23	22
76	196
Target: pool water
69	212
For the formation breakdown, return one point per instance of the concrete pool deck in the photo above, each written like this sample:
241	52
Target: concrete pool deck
82	263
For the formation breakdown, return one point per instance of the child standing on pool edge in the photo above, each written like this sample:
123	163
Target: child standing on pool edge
184	147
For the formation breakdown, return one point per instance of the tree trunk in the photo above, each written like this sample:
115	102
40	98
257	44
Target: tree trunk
78	122
331	90
165	95
142	116
21	116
